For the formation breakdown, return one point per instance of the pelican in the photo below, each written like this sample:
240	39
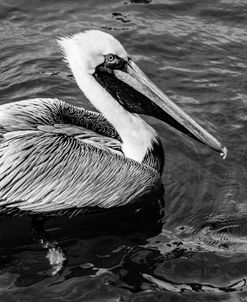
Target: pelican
55	157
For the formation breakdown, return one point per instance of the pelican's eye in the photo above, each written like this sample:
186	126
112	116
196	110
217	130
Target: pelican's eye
114	62
110	58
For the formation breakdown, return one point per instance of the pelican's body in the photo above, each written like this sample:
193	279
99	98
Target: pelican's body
55	157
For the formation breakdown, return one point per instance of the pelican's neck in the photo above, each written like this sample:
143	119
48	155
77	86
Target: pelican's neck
137	136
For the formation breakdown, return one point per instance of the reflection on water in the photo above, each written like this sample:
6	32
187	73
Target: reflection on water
196	52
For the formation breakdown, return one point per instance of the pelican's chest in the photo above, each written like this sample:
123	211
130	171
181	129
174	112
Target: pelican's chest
155	156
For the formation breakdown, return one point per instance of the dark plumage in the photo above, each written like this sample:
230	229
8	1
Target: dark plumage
54	156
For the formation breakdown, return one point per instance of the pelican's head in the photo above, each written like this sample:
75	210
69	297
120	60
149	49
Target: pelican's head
90	49
97	55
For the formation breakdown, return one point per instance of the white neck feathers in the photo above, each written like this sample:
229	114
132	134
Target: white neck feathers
137	136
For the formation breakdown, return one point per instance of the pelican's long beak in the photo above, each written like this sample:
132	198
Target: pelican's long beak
157	104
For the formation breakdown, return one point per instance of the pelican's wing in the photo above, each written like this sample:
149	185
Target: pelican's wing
65	166
27	114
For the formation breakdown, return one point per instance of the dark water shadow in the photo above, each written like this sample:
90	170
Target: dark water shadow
119	248
91	242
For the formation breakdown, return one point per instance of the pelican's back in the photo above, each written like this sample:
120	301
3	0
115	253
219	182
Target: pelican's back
57	159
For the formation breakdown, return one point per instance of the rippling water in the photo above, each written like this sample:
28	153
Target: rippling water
194	50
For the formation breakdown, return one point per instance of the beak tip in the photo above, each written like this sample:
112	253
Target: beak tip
224	152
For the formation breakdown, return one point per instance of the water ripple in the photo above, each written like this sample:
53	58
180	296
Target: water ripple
196	52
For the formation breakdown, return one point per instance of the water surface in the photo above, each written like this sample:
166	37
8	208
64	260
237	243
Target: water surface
196	52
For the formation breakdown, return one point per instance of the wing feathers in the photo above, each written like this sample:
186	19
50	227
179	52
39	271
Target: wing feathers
54	156
57	171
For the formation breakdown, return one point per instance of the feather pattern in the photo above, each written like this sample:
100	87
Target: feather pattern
27	114
55	156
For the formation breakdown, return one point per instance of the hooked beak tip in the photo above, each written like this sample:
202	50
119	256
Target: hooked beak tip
224	152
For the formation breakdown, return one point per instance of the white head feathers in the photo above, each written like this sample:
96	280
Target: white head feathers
87	49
